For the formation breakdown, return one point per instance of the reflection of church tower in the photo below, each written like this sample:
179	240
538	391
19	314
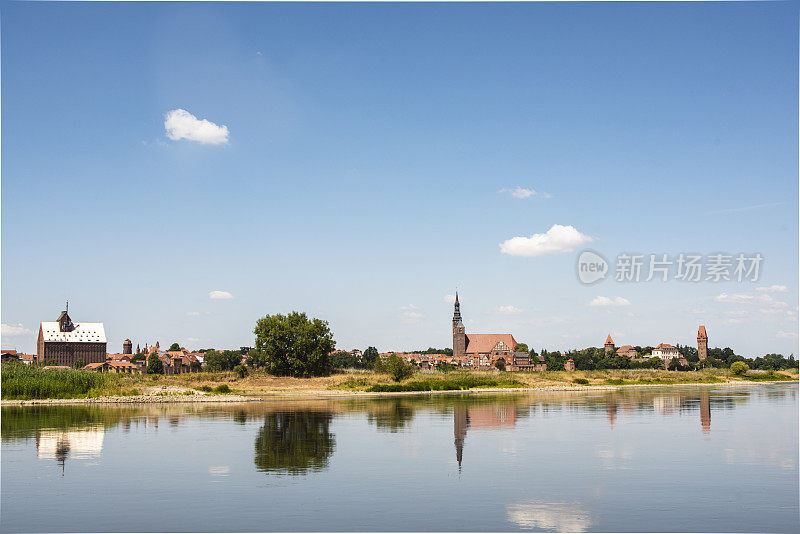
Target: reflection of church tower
611	411
705	411
460	426
459	332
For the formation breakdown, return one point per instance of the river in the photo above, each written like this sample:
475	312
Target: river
710	459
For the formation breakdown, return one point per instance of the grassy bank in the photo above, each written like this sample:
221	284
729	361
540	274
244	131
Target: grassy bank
30	382
26	383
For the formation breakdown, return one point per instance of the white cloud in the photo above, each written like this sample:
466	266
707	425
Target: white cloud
450	298
523	192
773	289
409	307
180	124
193	314
787	335
540	515
606	301
556	240
508	310
13	330
411	316
761	299
219	295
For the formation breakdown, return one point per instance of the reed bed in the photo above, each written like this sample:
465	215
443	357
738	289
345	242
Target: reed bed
23	382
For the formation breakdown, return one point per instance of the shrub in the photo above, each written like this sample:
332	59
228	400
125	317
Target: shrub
462	382
739	368
581	381
395	367
222	388
207	389
240	370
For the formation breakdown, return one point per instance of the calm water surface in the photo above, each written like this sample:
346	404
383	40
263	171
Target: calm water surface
689	459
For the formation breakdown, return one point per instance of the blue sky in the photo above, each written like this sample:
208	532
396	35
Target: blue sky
368	165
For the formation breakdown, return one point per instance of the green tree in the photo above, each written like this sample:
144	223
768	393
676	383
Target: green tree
79	363
225	360
174	347
521	347
396	367
739	368
240	370
154	365
370	357
500	363
293	345
344	360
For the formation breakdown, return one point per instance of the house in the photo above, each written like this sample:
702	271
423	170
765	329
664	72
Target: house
523	361
569	365
667	352
115	366
627	350
9	356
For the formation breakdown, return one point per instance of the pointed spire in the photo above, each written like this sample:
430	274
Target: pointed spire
456	297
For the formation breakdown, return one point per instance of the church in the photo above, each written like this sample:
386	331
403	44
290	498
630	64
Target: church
480	350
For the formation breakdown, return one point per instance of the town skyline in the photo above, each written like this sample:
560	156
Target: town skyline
203	166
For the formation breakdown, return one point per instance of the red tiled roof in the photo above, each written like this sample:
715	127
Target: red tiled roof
91	366
118	357
609	340
484	343
9	351
624	348
665	346
702	332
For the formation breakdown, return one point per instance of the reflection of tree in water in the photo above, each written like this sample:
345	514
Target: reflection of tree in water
294	442
390	415
240	417
62	451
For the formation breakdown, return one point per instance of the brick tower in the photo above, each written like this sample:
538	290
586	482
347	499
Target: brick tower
459	332
127	347
609	346
702	343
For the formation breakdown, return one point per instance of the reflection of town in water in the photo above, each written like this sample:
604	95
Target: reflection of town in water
297	437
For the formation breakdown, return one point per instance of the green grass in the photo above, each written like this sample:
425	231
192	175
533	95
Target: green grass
449	384
767	377
25	382
663	381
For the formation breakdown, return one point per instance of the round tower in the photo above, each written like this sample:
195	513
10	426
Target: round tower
127	347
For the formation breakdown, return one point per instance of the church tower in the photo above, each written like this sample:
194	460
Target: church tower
459	332
609	346
702	343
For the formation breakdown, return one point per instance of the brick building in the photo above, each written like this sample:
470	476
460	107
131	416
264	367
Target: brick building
65	342
480	350
702	343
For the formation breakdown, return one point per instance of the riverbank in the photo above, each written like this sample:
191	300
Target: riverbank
204	387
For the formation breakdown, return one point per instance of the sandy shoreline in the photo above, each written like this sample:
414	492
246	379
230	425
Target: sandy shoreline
343	394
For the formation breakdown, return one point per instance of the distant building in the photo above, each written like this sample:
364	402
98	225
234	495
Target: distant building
127	347
609	346
66	343
667	352
115	366
523	361
702	343
569	365
627	350
479	350
9	356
